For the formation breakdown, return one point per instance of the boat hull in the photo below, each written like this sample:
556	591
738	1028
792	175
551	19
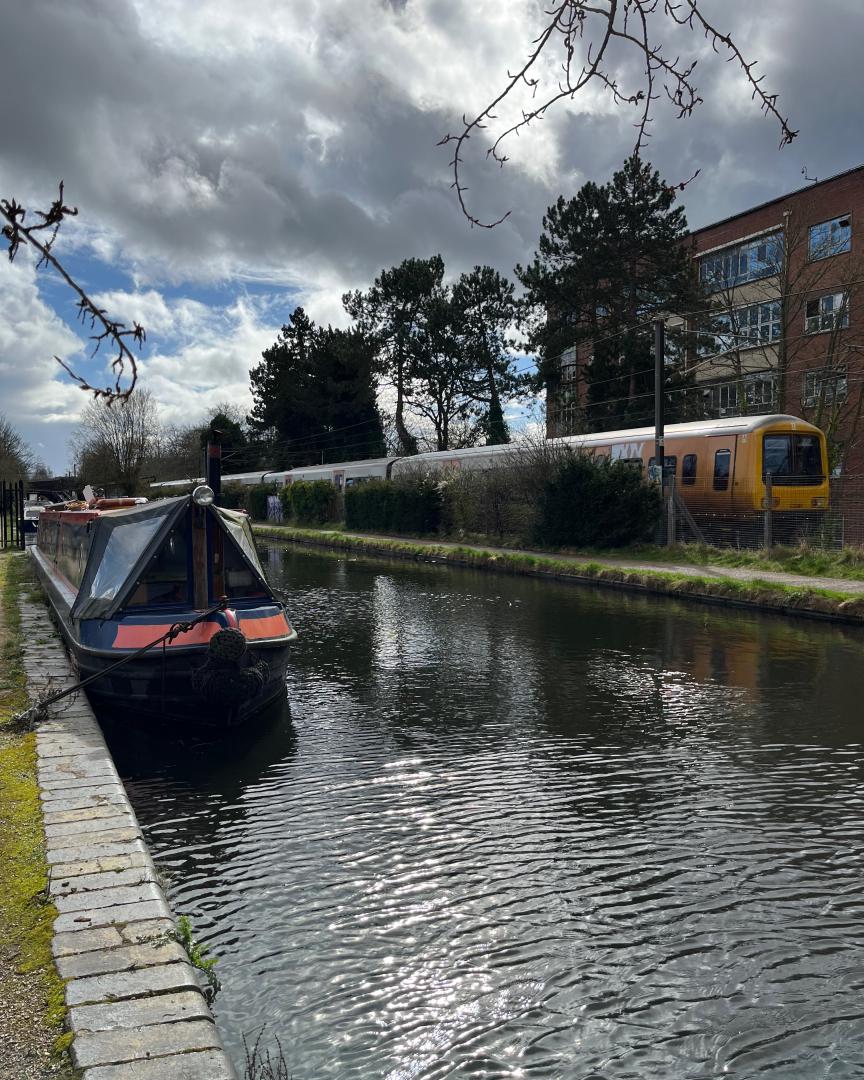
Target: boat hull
180	682
154	685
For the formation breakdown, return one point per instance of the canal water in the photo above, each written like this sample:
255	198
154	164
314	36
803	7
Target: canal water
519	829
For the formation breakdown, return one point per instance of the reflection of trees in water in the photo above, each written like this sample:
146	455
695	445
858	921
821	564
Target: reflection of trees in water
193	781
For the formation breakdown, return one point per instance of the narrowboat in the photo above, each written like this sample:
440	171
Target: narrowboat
182	572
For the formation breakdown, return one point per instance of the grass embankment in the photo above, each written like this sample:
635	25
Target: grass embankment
754	592
847	563
30	988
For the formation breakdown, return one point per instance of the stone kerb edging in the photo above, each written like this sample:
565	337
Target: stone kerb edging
135	1006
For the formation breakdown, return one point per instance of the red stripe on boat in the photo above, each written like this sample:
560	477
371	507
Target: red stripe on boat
271	626
136	637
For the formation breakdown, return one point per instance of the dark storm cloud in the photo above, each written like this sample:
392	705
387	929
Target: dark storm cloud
311	162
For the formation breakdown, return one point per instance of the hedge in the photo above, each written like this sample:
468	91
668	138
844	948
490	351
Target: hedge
591	503
310	502
412	506
256	501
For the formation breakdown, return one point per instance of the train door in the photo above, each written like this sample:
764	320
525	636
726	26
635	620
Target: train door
720	471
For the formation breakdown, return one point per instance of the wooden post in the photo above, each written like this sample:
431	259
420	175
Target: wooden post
199	557
768	538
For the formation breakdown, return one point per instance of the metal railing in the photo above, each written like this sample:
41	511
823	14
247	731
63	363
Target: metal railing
775	515
12	514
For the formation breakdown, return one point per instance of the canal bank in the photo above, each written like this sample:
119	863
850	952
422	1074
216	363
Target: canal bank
824	598
92	920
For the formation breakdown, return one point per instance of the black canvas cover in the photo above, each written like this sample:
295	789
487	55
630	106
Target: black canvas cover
123	543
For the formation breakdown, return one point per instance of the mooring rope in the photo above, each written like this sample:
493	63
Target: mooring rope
175	630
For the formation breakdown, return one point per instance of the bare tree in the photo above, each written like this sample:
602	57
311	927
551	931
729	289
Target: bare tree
113	445
16	457
16	233
586	34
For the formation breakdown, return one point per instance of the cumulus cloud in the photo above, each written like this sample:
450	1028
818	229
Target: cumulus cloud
296	145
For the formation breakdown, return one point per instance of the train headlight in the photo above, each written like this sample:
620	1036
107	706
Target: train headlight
203	495
821	503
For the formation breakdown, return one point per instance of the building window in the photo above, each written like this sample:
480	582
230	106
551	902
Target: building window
744	328
749	261
825	387
569	365
830	238
829	312
751	394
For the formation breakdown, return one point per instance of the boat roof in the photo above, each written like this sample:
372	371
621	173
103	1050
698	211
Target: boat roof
126	539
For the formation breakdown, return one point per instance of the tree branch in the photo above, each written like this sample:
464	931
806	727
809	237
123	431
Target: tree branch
17	233
569	23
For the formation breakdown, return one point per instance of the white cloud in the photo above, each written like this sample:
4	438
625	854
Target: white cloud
31	335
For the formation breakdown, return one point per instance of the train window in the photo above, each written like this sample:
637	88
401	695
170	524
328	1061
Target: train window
688	469
670	464
722	461
636	462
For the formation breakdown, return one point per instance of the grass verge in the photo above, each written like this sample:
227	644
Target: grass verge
26	915
766	595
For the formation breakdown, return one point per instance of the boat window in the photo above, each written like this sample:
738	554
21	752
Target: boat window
125	546
168	575
688	469
73	550
240	580
46	539
240	532
722	461
792	459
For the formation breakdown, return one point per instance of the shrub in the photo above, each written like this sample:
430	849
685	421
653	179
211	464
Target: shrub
310	502
591	503
233	497
413	505
256	502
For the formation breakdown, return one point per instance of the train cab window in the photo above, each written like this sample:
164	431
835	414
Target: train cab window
792	459
688	469
722	462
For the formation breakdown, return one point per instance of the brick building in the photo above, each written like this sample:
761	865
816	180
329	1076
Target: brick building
787	307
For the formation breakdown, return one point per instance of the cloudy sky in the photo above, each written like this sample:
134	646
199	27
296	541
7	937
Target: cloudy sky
231	160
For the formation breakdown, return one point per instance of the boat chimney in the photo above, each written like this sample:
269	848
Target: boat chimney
214	469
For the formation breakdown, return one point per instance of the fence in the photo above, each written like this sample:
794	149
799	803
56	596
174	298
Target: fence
12	514
775	515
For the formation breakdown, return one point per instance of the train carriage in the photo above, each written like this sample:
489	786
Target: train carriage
720	466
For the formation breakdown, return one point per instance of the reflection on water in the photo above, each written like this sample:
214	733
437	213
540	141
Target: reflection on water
518	829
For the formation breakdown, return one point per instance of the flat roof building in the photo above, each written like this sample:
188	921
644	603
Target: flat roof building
784	336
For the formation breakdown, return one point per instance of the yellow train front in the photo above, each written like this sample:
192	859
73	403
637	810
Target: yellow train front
725	467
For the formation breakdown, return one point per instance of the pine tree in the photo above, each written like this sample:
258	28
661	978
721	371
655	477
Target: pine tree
609	260
484	312
314	395
389	313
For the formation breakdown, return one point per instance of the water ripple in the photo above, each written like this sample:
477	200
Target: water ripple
517	830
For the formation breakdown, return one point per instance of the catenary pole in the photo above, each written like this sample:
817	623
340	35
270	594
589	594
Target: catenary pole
659	361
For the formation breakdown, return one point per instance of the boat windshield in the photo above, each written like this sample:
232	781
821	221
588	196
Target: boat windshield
168	575
125	546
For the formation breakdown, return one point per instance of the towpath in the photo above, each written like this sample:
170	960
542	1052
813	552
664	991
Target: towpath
745	574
